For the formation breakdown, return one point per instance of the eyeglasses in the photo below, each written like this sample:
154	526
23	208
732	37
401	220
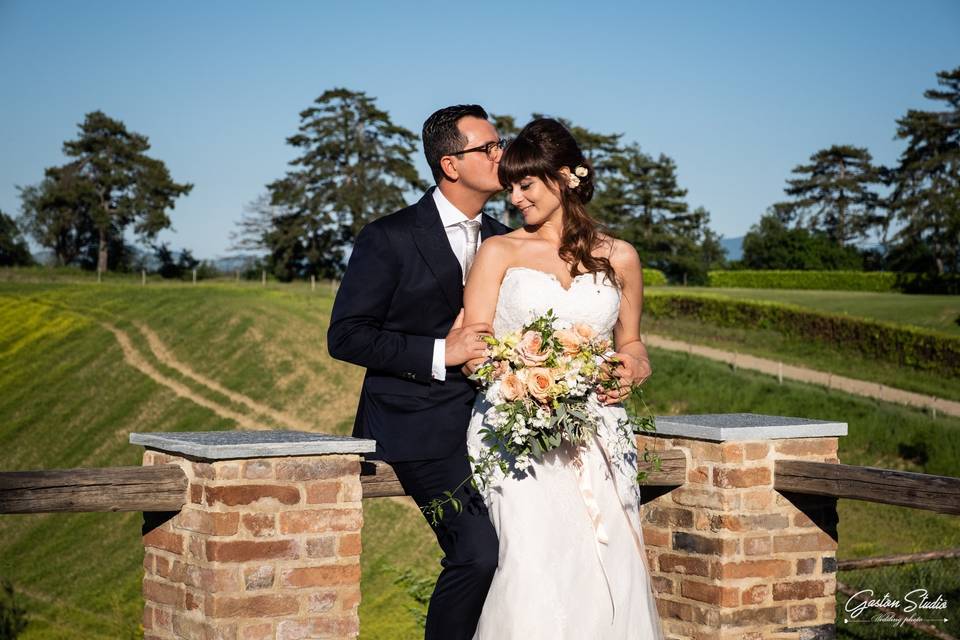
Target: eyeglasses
491	149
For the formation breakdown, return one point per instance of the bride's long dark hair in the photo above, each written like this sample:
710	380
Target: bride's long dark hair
540	150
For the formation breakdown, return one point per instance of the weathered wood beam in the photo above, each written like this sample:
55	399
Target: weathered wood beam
150	488
379	480
886	486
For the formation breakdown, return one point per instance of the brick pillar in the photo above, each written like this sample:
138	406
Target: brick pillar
266	547
731	557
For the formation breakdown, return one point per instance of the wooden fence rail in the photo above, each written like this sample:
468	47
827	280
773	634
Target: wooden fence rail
379	480
886	486
154	488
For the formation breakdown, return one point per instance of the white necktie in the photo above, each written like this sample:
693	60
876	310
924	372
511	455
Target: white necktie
471	231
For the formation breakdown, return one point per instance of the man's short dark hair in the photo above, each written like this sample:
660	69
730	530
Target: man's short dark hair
442	137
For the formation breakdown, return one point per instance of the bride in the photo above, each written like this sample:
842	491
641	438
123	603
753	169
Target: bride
571	557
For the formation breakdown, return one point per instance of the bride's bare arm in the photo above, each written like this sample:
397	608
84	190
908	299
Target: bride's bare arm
626	333
483	284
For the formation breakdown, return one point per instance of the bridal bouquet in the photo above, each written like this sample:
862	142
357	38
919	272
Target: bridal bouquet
538	382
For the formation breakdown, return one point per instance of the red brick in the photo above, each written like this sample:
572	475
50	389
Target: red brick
754	617
257	469
350	545
684	564
244	550
162	593
321	602
226	470
325	491
749	477
807	447
801	590
760	545
323	547
245	494
260	606
755	594
710	593
321	520
210	523
818	541
196	493
754	569
261	577
346	626
321	576
161	538
803	612
755	450
323	468
350	597
203	470
260	524
259	631
656	537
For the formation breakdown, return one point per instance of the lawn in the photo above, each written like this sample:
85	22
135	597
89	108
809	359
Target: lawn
70	399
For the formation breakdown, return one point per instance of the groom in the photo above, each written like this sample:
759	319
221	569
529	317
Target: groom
399	314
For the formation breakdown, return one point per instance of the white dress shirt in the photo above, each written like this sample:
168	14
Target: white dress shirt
450	217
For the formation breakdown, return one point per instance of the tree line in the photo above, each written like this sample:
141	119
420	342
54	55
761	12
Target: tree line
835	200
354	164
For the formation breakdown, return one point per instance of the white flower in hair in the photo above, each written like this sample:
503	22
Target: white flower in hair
573	181
581	171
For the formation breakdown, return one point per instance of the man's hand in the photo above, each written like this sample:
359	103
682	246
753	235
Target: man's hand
465	343
631	370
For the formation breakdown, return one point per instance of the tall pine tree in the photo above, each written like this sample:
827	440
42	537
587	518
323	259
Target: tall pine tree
926	183
834	194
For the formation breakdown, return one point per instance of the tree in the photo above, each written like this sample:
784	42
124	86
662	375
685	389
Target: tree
110	184
56	213
926	183
354	165
13	248
772	244
833	193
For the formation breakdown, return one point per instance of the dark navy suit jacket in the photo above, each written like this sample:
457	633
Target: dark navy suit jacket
401	291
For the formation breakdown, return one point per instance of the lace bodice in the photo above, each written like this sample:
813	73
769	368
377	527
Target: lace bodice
526	293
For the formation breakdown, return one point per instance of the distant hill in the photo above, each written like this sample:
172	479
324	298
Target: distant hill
734	247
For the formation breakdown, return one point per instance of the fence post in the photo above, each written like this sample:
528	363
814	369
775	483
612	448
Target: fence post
268	545
730	556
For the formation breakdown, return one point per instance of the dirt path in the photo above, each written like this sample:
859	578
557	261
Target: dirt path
164	355
137	361
802	374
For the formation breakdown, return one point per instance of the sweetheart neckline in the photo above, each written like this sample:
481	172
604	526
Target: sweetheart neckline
549	275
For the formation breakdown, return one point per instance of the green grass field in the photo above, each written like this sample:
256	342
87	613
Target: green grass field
929	311
68	398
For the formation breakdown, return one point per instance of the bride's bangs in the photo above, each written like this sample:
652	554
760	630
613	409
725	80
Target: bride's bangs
520	159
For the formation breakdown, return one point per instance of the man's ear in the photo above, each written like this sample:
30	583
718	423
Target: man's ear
449	168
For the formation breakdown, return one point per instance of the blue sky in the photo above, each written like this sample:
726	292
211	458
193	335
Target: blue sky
738	93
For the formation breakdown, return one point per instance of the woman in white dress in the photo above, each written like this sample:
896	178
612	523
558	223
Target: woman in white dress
572	563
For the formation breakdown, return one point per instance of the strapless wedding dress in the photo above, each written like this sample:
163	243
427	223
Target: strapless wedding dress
572	563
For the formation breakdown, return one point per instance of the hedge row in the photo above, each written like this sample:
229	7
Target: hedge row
908	346
653	278
832	280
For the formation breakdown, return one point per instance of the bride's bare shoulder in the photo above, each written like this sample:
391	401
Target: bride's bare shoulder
623	255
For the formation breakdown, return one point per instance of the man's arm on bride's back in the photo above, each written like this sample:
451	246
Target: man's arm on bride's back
363	300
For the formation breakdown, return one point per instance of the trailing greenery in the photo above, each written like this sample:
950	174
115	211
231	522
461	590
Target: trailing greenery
13	617
917	348
792	279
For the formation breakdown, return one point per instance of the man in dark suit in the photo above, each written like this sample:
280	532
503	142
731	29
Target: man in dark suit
399	314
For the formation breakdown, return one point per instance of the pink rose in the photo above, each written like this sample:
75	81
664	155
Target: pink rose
585	331
512	387
539	381
570	340
530	347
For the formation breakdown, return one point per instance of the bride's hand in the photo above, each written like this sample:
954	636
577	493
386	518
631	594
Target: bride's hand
631	371
472	365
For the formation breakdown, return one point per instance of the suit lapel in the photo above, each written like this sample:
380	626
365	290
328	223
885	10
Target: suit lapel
431	241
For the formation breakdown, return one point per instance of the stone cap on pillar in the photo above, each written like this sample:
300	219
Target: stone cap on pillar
728	427
225	445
